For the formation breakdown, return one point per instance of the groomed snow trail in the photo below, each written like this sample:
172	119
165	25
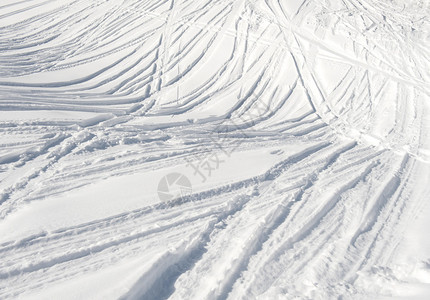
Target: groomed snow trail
303	128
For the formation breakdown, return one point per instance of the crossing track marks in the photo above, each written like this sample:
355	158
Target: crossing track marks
317	114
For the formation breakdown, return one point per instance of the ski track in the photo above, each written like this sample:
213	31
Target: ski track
91	90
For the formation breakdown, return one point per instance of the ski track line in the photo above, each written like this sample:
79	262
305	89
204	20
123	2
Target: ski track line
334	94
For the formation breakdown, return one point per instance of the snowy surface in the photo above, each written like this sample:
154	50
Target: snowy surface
198	149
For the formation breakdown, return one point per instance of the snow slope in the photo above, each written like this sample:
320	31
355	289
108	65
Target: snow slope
214	149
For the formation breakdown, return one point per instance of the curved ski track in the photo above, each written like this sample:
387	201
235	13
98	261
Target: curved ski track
145	83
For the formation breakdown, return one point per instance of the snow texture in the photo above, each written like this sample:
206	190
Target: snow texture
214	149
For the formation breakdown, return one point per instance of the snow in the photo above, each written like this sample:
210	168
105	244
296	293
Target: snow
293	138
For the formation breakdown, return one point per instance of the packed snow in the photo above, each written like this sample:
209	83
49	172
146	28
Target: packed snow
214	149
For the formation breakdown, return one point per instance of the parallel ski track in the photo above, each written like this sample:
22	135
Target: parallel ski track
306	227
